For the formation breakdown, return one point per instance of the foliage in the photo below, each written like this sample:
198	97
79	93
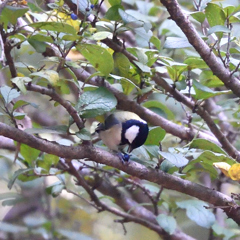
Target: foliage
67	64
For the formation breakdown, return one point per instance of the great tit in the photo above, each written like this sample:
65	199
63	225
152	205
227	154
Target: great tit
123	128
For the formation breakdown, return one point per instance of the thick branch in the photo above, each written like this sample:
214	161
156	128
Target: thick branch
201	47
100	156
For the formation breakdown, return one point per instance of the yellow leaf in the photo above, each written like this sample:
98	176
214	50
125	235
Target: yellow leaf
234	172
52	77
223	166
60	3
20	74
67	19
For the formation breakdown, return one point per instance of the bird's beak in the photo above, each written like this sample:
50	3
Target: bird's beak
100	127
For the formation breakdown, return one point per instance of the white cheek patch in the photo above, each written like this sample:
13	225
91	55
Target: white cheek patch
131	133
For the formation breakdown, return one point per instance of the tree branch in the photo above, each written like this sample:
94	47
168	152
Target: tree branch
201	47
88	152
135	212
227	146
124	103
54	96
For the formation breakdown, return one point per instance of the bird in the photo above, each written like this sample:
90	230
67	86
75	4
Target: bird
123	128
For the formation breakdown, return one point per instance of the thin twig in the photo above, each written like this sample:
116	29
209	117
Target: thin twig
182	20
227	146
235	70
102	206
56	97
7	51
2	58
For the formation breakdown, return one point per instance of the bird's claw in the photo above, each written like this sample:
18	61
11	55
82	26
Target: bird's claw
124	157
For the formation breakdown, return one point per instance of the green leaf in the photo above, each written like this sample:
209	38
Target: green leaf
175	158
95	103
112	13
155	136
234	19
27	177
41	38
215	14
50	75
98	56
126	84
115	2
34	8
164	110
11	14
218	28
229	10
221	231
8	94
199	16
69	37
129	20
19	115
29	154
206	145
203	92
20	103
168	223
152	150
208	79
105	26
55	189
140	53
51	159
40	47
16	175
197	212
20	83
156	42
121	64
100	35
48	161
206	160
176	42
211	157
195	62
54	26
166	166
84	134
143	67
19	36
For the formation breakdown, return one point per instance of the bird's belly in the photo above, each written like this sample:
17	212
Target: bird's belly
112	137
